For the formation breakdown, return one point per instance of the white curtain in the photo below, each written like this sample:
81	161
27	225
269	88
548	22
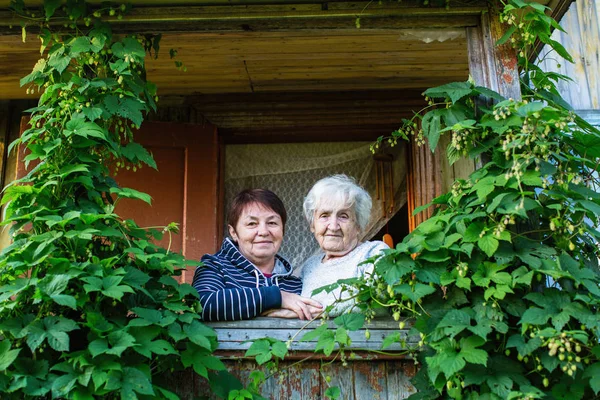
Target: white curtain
290	170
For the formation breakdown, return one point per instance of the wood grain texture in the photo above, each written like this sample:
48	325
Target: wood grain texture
288	61
582	25
235	335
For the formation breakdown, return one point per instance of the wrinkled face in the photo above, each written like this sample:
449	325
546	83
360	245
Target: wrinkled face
336	229
259	233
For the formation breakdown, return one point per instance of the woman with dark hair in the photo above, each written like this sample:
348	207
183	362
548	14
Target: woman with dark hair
247	277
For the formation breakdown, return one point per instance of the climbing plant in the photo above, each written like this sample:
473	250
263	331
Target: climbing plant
89	306
502	284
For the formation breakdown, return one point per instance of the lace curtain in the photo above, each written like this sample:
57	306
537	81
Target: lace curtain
291	169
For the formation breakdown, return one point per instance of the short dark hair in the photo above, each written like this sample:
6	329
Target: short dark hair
263	197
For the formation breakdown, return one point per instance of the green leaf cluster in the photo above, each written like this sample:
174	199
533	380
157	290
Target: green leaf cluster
89	307
503	281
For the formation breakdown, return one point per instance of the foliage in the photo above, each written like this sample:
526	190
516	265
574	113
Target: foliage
503	281
512	251
88	304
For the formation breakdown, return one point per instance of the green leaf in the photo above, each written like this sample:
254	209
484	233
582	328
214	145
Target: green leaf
592	372
119	342
454	322
470	352
134	152
77	126
535	316
261	349
451	362
454	90
326	342
311	335
414	292
54	285
333	392
59	62
92	113
50	6
80	44
509	32
131	194
7	356
489	244
351	322
473	231
524	348
195	332
390	339
431	128
279	349
135	380
532	178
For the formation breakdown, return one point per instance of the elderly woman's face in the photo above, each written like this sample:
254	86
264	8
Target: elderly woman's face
259	233
336	229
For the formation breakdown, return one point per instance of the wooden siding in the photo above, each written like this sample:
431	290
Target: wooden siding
303	374
359	380
582	25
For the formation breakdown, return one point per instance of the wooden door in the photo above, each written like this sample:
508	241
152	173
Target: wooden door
184	190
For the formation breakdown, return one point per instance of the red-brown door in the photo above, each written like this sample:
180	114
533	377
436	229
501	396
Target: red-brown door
185	189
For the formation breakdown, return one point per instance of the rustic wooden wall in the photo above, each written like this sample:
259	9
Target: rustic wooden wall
363	379
582	26
303	374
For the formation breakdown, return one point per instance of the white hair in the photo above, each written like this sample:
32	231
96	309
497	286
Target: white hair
341	189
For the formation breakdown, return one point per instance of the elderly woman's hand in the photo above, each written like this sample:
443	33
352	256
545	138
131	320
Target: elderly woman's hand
289	314
302	306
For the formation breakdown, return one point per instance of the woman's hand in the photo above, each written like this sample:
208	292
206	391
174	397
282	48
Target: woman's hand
289	314
303	307
280	313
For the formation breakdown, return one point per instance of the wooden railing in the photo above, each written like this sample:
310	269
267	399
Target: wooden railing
367	372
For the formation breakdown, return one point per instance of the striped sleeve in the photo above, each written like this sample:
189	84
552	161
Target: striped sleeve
231	304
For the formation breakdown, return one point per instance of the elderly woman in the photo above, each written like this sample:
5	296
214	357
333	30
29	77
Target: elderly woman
338	211
247	277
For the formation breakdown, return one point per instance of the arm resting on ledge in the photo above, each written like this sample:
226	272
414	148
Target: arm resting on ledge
231	304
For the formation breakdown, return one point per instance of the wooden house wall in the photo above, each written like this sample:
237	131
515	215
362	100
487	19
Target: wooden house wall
581	39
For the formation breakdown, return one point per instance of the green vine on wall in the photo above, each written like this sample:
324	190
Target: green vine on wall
503	281
88	304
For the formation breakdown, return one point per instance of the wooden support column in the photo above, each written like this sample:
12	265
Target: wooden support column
491	66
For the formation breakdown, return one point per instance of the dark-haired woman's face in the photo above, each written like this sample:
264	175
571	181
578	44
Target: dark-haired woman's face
259	233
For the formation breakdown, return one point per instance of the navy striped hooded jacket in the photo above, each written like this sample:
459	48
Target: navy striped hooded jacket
231	288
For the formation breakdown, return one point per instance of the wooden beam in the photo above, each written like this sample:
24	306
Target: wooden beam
409	14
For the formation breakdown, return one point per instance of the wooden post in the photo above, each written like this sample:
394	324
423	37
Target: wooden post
490	65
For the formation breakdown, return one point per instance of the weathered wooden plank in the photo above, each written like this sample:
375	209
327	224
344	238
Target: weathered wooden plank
280	323
370	381
237	340
502	59
183	382
304	381
340	376
271	16
399	374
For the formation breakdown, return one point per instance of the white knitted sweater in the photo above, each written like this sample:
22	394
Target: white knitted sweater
316	273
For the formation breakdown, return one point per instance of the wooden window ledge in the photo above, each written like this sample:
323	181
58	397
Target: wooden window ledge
235	336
